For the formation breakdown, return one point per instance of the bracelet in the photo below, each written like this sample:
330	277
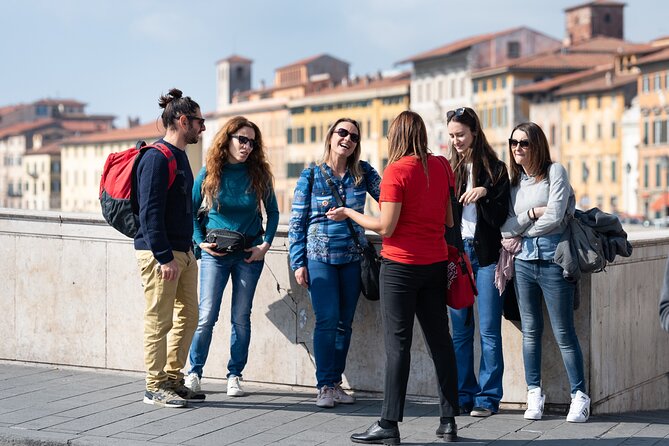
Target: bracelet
534	214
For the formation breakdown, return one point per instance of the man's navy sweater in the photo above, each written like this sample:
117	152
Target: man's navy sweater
165	215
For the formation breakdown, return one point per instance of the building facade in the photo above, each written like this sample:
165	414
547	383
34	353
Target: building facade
653	87
442	78
83	157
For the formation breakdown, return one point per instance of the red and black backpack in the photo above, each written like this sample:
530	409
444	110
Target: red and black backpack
118	196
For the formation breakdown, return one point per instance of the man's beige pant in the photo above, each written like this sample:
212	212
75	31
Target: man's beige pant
170	317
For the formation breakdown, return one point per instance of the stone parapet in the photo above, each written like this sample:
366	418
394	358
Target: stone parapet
71	295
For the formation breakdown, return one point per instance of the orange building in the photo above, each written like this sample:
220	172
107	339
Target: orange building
653	87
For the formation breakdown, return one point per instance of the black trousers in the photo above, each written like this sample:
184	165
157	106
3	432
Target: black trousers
408	291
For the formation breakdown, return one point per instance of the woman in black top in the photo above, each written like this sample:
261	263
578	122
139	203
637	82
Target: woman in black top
482	189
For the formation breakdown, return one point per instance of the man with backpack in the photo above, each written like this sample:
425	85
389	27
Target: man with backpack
163	245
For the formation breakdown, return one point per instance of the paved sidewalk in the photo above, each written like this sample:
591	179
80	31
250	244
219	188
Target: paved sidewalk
46	405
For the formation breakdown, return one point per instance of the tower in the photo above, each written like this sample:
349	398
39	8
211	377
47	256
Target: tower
598	18
233	74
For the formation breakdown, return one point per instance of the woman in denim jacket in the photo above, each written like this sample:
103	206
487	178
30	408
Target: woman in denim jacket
323	255
482	189
541	196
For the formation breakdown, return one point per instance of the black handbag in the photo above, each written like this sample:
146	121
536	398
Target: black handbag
370	263
226	240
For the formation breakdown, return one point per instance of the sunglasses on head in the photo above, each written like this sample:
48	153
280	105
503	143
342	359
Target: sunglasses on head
344	133
196	118
523	143
457	112
244	140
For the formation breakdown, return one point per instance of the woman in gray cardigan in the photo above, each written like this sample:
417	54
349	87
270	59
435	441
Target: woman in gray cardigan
541	196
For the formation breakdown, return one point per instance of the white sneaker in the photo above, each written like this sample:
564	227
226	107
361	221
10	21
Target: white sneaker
579	410
234	386
325	397
535	404
341	397
192	381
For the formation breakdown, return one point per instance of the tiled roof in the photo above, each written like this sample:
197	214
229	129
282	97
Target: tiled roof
595	3
554	62
149	132
403	78
49	101
603	44
235	58
458	45
11	108
600	83
559	61
84	125
49	149
23	127
558	81
660	56
307	61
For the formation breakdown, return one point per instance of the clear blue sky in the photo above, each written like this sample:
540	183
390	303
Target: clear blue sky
118	56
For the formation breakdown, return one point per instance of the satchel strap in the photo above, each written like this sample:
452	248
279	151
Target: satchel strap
341	204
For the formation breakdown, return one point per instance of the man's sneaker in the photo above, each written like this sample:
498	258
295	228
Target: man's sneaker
234	386
192	381
341	397
325	397
535	404
480	412
164	397
188	394
579	410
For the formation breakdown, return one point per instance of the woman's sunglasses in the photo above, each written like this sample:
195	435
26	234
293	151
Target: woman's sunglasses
523	143
457	112
244	140
343	133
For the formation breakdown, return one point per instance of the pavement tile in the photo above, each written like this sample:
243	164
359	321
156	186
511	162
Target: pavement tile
12	436
53	406
42	422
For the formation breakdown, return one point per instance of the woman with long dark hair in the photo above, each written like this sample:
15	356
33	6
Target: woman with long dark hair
482	189
541	201
415	210
323	254
230	189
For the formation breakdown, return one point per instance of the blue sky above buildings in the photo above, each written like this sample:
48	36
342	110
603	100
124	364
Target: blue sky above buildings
120	55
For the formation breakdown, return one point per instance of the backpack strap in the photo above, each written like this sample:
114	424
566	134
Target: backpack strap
171	169
171	161
340	203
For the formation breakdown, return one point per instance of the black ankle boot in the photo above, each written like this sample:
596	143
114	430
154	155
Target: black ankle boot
448	430
375	434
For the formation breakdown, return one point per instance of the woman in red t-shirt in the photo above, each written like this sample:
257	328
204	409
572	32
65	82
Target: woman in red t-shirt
415	209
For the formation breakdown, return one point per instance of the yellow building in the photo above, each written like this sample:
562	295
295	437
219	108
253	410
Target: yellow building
494	95
372	101
294	115
592	112
653	86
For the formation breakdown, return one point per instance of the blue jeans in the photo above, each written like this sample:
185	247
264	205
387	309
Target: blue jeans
487	391
334	293
534	278
214	275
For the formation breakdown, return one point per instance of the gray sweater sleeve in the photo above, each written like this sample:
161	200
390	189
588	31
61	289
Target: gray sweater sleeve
664	300
556	207
554	192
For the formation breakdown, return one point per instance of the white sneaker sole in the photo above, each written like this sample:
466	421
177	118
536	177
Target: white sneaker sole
533	417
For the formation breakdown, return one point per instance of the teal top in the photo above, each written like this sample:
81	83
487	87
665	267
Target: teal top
236	207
